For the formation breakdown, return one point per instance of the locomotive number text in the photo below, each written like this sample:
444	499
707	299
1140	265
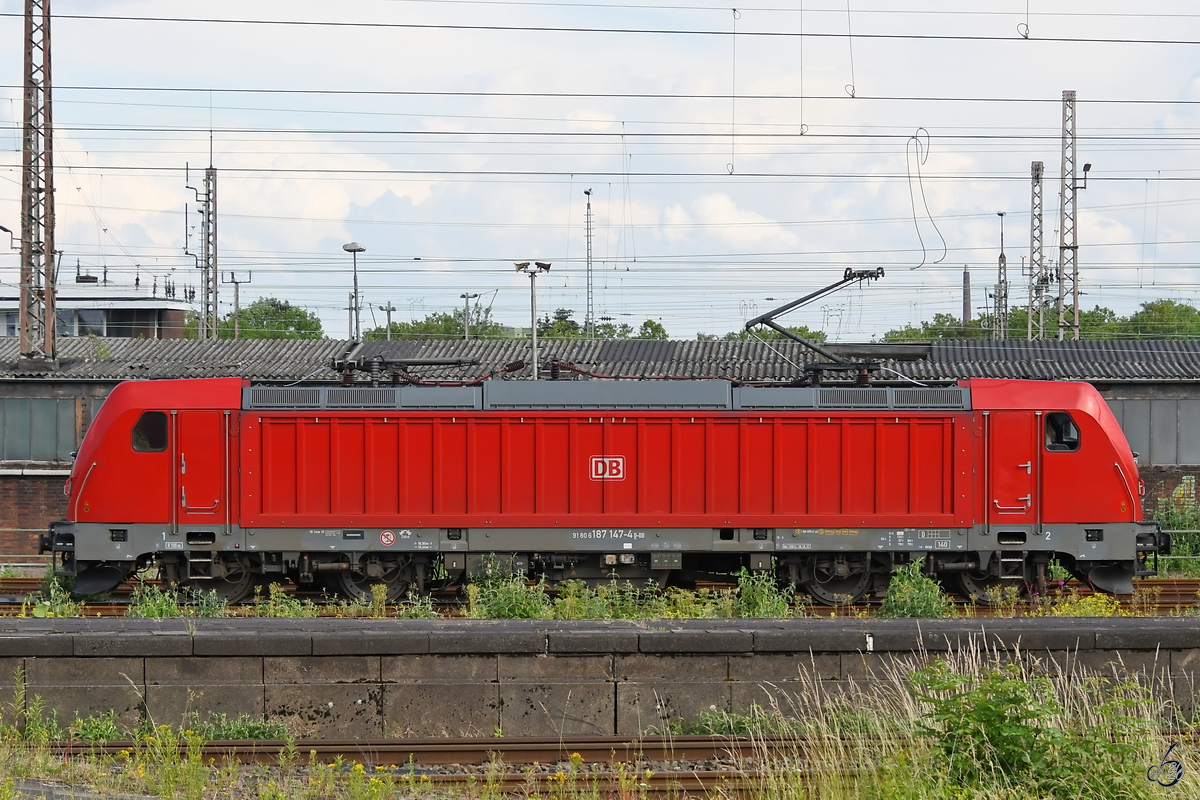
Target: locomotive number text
608	533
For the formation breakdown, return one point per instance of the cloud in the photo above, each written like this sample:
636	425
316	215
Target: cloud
728	223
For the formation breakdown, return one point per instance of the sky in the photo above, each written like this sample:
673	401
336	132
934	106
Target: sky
737	159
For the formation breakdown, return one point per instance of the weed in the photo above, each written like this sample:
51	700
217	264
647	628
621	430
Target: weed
279	603
759	596
718	722
997	727
96	728
217	727
507	597
1095	605
148	600
912	594
55	600
1145	601
1057	572
577	601
416	606
1004	598
40	727
206	604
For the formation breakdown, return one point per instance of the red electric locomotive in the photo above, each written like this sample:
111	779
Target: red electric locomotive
221	484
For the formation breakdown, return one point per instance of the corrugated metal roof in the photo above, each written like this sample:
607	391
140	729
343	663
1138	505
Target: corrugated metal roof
284	360
104	359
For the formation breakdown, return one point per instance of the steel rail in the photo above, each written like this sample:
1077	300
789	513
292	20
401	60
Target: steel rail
479	751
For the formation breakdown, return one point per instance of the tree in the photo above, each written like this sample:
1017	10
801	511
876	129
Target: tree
563	326
772	335
1162	319
441	325
652	330
1098	323
943	326
614	331
271	318
265	318
560	327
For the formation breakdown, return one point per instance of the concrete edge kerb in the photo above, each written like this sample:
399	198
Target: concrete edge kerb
103	637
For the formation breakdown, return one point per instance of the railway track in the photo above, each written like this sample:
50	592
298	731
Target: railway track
680	766
1155	596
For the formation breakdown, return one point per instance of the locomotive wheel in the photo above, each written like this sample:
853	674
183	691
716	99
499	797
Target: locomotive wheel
827	588
357	586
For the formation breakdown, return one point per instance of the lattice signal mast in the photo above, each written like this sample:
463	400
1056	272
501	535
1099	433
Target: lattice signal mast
210	277
1068	249
36	315
1039	277
589	320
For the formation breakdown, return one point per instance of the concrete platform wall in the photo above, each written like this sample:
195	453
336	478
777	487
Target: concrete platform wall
341	678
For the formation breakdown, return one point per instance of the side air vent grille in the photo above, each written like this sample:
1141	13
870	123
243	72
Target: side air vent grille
271	397
608	395
268	398
929	398
361	398
852	398
774	397
614	395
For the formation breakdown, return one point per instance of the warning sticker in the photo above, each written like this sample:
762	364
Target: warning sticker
387	538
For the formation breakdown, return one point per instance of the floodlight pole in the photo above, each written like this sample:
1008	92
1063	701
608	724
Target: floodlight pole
532	271
354	248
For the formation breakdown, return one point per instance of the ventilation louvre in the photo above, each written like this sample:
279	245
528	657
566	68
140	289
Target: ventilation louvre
278	397
929	398
361	398
853	398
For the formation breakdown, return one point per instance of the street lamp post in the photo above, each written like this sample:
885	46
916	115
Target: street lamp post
467	298
354	248
532	271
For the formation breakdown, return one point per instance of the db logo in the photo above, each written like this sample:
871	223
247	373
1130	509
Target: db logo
608	468
387	538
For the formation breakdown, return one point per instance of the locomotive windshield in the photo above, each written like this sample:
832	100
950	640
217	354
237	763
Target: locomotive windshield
150	433
1062	435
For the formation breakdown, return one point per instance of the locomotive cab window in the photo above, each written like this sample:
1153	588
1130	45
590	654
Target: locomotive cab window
150	433
1062	435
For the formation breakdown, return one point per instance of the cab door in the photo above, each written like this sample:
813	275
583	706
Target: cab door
201	468
1012	496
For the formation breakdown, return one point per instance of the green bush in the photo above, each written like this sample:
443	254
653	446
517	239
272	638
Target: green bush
759	596
912	594
504	597
1006	728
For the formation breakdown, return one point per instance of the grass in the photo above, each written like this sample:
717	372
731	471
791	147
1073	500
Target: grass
504	597
499	595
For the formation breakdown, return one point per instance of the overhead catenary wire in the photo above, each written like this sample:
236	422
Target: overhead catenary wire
348	24
667	162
